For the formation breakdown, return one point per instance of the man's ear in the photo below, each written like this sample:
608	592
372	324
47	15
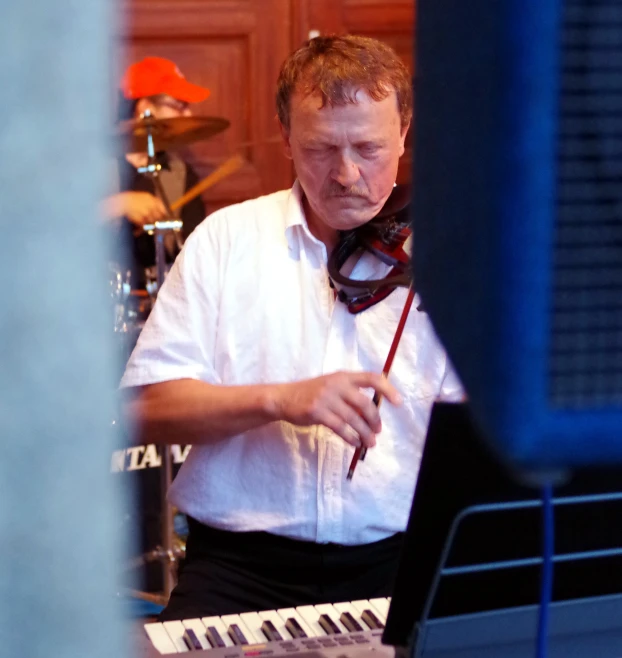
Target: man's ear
403	133
286	143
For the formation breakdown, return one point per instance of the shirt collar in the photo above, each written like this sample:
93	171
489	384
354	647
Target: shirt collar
295	216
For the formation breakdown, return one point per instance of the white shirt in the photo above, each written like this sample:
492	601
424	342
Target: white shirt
248	301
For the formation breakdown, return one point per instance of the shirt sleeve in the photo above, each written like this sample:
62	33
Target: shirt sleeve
178	340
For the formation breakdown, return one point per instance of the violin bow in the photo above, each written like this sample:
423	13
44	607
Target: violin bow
360	452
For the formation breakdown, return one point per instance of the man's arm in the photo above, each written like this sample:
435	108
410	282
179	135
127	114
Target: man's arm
139	207
192	411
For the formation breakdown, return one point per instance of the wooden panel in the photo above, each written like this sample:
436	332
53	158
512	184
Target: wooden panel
232	47
384	15
236	47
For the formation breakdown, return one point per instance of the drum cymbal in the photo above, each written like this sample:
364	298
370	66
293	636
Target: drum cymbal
131	136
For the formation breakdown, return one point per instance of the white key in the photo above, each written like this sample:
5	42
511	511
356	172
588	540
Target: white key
382	605
328	609
311	616
199	629
253	622
227	620
160	638
287	613
279	623
362	605
175	629
220	627
353	610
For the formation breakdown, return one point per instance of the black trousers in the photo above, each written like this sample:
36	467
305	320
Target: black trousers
233	572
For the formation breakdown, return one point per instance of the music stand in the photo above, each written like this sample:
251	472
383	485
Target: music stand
468	582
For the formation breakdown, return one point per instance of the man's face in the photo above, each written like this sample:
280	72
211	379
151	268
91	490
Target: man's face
165	107
346	157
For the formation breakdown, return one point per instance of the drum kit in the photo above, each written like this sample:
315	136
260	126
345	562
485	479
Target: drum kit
152	136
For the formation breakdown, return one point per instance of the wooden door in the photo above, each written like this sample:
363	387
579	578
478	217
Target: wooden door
236	47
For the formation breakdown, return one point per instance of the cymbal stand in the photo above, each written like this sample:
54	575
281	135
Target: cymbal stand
167	553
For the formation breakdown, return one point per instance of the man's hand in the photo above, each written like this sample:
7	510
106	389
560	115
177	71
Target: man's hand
338	402
139	207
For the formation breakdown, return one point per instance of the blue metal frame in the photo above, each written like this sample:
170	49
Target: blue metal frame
612	605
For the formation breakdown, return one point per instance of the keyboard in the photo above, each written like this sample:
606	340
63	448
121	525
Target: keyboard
340	626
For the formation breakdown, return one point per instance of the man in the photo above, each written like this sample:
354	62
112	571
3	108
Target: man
156	85
249	357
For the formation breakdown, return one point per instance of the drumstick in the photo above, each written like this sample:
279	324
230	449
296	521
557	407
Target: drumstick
224	170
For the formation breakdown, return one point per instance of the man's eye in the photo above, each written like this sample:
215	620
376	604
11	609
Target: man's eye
319	149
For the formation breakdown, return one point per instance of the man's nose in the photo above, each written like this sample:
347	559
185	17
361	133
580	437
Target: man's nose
346	171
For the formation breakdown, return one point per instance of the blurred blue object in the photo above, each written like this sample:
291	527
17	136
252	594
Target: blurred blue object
517	217
134	608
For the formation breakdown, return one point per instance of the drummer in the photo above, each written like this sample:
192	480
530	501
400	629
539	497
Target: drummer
157	85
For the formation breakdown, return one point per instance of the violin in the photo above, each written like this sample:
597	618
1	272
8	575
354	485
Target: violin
387	236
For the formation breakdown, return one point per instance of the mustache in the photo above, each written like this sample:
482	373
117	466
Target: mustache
340	190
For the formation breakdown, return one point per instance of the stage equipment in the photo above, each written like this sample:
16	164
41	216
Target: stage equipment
517	217
133	136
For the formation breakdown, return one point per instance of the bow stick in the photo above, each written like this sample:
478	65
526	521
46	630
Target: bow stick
360	452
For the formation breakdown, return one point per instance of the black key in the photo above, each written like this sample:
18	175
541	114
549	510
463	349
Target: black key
236	635
269	630
371	620
350	622
294	628
213	637
191	640
328	625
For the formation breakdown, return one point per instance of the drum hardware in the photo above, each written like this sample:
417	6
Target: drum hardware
135	135
167	225
222	171
155	135
146	133
119	292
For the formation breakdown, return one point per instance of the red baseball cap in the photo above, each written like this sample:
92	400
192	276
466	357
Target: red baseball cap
156	75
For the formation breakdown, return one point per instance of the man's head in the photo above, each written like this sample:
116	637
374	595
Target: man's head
157	85
344	104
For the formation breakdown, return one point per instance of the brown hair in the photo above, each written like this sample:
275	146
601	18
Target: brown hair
339	66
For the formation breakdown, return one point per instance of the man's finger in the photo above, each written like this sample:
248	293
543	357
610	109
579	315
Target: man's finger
357	420
335	423
380	384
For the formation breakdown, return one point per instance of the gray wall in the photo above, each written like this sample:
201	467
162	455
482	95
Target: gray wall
59	516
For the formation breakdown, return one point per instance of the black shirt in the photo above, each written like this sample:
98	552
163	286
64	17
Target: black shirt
136	252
